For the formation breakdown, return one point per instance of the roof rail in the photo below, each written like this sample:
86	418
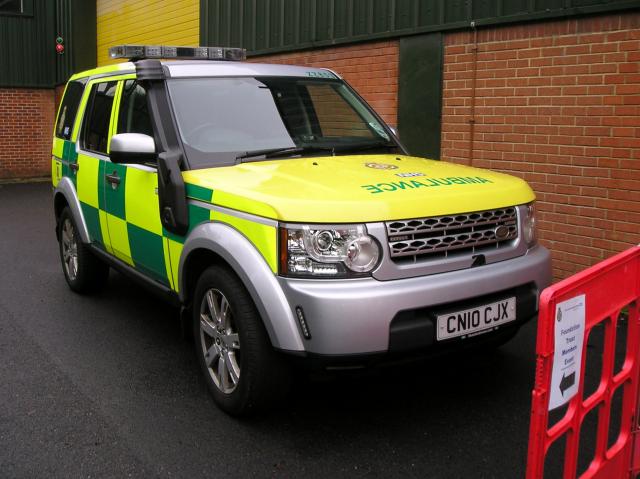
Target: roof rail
139	52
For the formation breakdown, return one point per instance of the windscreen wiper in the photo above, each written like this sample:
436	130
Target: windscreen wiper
274	152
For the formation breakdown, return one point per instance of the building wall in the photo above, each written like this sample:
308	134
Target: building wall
371	68
31	73
159	22
558	104
26	121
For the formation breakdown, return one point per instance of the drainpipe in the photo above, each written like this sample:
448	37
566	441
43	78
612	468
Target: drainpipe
472	114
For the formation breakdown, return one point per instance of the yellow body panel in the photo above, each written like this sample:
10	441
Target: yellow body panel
343	189
119	238
263	237
56	165
175	251
141	200
105	231
58	147
146	22
167	263
56	172
88	180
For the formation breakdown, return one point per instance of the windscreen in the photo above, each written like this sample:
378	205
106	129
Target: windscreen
223	121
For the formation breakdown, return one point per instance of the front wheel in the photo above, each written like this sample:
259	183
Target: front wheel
243	372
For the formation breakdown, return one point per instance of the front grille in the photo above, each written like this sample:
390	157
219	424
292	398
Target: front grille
444	236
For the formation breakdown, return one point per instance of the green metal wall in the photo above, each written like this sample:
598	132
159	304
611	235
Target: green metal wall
269	26
28	57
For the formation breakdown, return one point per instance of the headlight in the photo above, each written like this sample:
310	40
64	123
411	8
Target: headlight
329	251
530	225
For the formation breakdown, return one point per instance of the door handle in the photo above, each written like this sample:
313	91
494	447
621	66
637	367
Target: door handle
74	167
113	178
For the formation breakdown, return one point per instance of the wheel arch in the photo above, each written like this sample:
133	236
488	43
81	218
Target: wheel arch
218	243
65	195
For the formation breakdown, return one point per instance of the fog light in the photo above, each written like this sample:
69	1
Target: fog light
303	323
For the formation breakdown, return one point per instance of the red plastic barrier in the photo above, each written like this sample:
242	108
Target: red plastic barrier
611	292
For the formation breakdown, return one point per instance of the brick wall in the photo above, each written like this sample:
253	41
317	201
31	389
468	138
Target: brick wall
371	68
26	126
558	104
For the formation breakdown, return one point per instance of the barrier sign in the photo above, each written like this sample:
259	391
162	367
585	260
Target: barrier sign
605	296
569	339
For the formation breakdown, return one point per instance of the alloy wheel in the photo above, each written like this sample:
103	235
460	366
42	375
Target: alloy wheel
219	341
69	249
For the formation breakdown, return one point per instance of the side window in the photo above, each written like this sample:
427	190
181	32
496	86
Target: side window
134	114
95	128
69	109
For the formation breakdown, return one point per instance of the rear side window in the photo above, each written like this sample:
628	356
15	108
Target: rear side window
134	113
69	109
95	129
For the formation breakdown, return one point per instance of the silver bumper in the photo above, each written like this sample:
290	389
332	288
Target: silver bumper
354	316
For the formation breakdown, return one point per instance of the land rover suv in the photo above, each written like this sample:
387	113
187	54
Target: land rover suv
284	217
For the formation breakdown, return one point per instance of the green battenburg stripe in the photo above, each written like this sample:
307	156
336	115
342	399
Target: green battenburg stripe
199	193
69	152
92	220
70	155
147	252
114	198
197	215
101	182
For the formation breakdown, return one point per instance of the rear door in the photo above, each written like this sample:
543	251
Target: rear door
92	157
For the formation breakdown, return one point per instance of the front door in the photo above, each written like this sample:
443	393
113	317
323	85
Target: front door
131	194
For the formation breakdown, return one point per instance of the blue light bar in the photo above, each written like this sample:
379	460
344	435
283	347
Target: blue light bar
138	52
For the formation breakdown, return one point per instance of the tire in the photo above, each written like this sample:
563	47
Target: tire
83	271
240	366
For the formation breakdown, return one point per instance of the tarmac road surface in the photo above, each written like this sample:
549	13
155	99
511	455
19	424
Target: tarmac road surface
104	386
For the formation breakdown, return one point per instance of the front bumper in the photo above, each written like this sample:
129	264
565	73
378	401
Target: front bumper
351	317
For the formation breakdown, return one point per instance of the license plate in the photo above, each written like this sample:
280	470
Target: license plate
476	320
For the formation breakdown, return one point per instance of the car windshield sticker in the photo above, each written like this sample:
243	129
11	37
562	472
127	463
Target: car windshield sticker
320	74
426	182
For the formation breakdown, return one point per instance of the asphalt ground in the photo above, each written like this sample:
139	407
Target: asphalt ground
105	386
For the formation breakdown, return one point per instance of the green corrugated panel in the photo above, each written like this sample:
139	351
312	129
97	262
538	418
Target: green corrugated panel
361	17
307	21
248	29
276	23
429	13
405	14
269	26
341	19
235	24
381	19
456	11
324	24
290	13
28	57
261	26
513	7
485	8
64	63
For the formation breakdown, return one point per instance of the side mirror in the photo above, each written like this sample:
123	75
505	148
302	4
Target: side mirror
132	148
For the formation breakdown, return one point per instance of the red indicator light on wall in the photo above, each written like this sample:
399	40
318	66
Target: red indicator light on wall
59	45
